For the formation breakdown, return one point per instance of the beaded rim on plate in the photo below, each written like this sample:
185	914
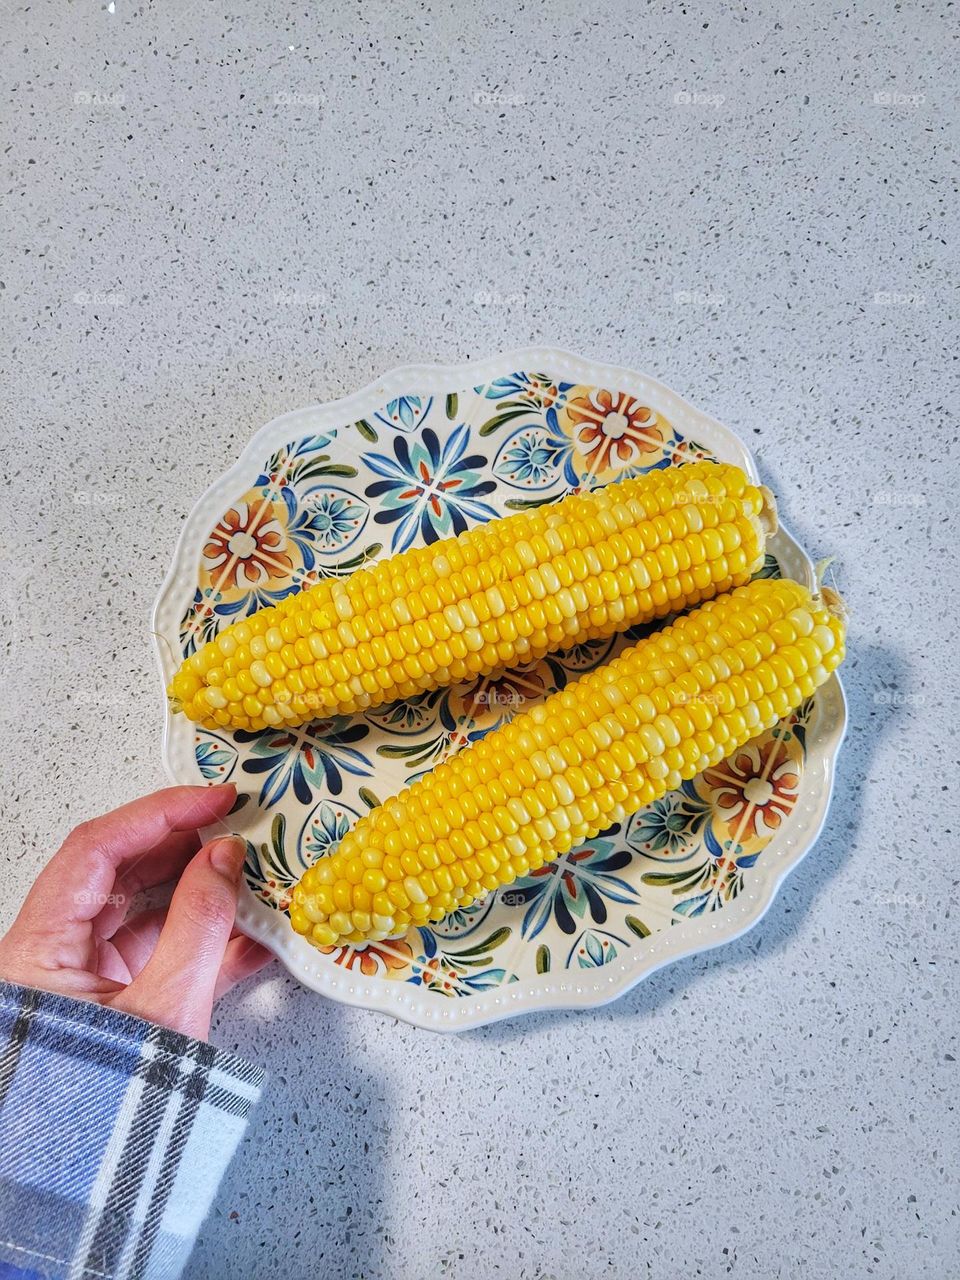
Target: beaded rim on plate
576	989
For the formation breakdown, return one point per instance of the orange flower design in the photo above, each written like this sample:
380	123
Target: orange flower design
543	394
689	451
756	789
389	957
612	429
438	977
245	550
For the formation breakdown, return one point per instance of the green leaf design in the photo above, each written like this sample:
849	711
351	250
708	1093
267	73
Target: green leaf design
337	469
637	926
365	429
320	465
527	504
661	879
503	417
273	856
368	798
543	957
698	447
452	402
678	881
480	949
800	725
414	753
344	568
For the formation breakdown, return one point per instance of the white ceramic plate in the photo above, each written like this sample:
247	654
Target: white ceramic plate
419	455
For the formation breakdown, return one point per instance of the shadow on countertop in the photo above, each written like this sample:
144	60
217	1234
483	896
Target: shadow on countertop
324	1215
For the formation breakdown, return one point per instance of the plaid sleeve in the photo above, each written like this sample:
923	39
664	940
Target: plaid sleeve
114	1134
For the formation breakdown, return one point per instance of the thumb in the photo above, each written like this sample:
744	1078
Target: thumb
176	986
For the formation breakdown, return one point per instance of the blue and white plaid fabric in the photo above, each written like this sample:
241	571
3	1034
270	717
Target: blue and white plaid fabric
114	1134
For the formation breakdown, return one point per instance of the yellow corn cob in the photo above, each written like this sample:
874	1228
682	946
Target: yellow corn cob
503	593
606	746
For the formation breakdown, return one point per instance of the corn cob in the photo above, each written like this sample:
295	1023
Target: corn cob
504	593
607	745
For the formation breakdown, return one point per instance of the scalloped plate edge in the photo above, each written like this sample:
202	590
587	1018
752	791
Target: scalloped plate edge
439	1013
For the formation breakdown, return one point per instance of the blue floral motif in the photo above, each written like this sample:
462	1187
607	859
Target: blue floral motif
316	755
413	715
428	490
324	828
536	458
593	949
216	757
463	971
540	447
251	602
464	920
282	460
513	384
535	389
572	885
405	413
470	984
323	520
670	826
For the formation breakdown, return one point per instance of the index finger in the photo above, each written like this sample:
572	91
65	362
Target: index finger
76	882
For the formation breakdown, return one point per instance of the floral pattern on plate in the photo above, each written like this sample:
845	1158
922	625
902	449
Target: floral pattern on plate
412	470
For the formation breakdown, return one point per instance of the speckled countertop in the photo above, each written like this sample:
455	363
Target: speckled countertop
212	219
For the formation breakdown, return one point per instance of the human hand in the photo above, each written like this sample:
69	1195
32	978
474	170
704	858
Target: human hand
72	935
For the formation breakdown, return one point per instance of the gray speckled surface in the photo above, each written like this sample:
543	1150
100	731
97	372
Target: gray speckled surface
786	1105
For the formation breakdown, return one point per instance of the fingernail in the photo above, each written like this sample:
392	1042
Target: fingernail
227	855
